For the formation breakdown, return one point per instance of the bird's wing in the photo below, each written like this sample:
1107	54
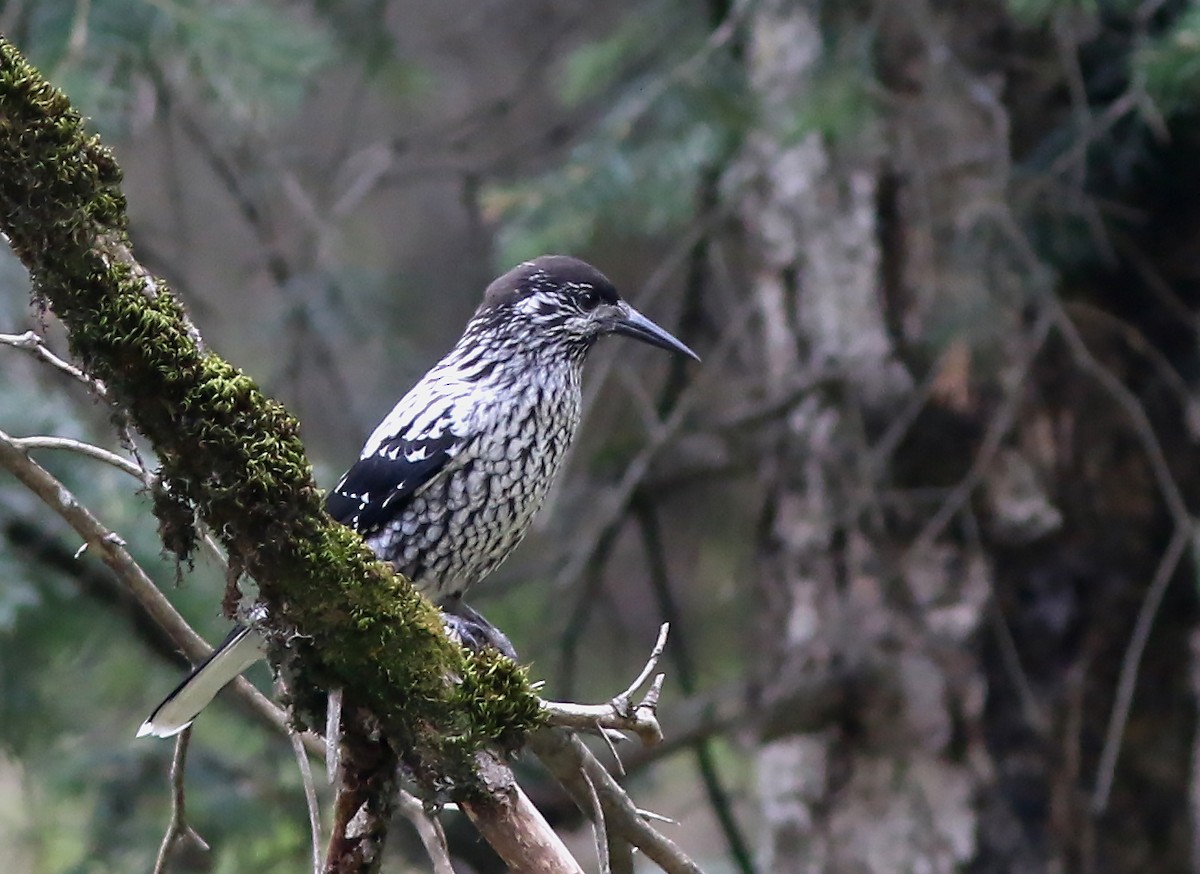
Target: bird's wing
380	485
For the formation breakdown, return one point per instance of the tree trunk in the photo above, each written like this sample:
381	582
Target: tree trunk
962	524
884	784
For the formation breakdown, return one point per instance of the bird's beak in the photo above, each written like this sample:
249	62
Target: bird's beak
631	323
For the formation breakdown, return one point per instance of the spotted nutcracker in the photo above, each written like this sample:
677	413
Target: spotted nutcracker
446	486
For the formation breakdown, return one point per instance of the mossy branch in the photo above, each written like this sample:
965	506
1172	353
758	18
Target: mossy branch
234	454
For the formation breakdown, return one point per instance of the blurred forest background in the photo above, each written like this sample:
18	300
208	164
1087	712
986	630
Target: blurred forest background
922	520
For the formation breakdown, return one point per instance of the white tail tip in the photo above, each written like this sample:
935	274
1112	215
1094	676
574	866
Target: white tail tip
149	729
242	648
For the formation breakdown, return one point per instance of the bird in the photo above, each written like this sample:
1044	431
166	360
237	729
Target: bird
448	483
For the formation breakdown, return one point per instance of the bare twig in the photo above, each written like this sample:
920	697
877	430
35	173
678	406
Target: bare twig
754	413
623	700
78	446
1127	682
880	454
638	719
796	705
428	829
1164	479
993	438
1180	538
102	542
568	759
33	342
310	797
1154	282
620	713
135	469
178	827
112	551
599	832
1137	341
656	817
37	346
610	737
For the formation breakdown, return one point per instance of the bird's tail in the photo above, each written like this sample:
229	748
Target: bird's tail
242	648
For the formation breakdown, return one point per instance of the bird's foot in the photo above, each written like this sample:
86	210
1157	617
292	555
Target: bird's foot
473	631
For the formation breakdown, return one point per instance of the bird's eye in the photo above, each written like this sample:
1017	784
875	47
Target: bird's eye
588	300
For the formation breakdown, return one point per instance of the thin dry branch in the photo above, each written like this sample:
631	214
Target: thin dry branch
81	448
621	713
1138	343
1010	657
428	829
604	718
1181	536
589	783
1132	407
310	797
1106	768
599	832
617	823
178	828
110	548
102	542
137	469
37	346
569	760
993	439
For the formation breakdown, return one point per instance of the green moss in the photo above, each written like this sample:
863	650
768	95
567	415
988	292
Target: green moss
497	695
234	454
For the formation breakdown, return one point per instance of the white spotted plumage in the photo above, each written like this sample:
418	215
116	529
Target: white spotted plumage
498	437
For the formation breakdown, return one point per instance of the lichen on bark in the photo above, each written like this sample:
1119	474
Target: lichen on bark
233	453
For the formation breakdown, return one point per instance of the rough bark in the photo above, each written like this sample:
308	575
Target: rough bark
887	782
977	560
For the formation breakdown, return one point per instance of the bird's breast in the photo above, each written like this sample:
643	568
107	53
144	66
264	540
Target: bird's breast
464	525
522	451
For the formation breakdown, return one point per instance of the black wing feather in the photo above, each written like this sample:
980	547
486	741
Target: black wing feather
378	488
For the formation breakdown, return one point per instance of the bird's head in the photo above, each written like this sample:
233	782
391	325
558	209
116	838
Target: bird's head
560	301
